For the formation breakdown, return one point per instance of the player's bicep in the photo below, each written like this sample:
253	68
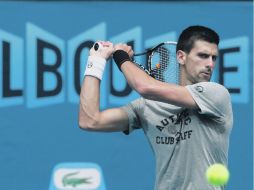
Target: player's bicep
185	99
181	97
115	119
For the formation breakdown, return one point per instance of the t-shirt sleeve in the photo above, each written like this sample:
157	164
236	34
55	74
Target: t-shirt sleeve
212	99
134	110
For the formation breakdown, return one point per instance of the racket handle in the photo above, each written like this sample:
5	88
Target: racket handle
96	46
100	45
143	68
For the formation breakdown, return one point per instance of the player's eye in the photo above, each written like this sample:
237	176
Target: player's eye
214	58
203	55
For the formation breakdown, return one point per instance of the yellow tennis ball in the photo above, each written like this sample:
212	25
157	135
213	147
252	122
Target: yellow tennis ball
217	174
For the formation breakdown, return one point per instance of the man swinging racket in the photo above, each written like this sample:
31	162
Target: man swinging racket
188	124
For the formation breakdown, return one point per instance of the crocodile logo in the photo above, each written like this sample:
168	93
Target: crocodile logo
70	180
67	178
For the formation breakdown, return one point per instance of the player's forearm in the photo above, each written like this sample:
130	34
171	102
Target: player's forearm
137	78
89	114
89	103
152	89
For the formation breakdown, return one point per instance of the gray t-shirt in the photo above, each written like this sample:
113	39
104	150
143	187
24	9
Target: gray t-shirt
185	142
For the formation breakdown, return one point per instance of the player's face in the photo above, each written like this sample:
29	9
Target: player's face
200	62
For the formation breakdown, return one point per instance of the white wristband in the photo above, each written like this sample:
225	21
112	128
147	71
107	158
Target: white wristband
95	66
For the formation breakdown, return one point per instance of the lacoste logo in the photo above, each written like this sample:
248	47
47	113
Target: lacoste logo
71	180
77	178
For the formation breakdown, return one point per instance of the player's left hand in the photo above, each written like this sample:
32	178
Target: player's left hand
128	49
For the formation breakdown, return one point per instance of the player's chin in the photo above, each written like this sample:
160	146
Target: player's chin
204	78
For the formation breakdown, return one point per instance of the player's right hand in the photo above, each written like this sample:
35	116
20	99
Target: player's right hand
102	49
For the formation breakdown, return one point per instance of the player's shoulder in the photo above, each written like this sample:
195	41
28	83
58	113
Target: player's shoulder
210	89
210	86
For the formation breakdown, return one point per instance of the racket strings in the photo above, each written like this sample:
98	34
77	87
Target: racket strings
164	64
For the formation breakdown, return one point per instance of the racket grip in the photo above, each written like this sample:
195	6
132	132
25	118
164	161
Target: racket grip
100	45
96	46
152	74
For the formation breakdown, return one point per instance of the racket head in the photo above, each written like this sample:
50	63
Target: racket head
162	63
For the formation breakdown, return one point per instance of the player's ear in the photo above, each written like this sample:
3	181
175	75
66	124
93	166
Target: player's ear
181	56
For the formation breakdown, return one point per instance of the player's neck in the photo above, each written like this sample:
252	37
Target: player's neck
183	79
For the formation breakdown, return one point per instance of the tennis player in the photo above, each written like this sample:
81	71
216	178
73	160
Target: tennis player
188	125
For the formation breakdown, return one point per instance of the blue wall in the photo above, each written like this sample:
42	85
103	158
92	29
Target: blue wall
40	130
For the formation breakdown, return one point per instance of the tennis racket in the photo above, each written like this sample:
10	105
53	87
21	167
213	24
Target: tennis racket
161	62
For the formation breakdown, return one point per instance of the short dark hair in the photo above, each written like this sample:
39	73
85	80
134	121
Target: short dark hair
191	34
